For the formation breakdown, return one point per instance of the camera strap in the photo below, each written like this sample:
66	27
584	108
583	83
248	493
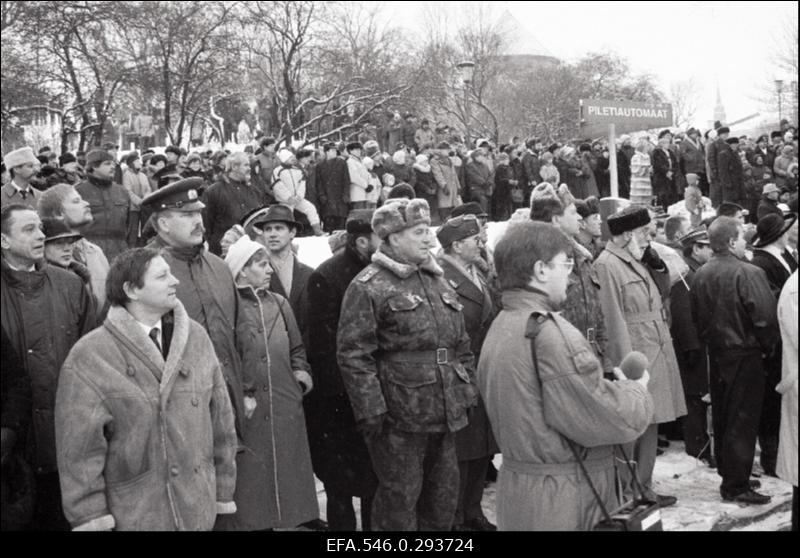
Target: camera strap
533	327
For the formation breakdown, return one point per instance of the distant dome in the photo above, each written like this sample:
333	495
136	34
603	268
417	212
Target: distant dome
520	41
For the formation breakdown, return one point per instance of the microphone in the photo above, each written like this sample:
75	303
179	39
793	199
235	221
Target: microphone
634	365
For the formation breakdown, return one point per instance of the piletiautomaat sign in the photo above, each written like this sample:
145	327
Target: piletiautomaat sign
627	116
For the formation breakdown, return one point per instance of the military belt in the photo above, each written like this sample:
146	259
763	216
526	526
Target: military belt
438	356
643	317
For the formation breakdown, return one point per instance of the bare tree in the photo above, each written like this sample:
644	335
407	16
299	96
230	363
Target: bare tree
285	38
684	96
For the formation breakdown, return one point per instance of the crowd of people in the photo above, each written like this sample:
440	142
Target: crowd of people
170	364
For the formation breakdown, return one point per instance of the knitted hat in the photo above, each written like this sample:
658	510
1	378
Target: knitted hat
284	156
359	221
371	147
97	156
368	162
399	214
546	190
723	130
20	156
240	252
628	219
399	157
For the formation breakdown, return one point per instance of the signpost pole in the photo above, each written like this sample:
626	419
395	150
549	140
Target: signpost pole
612	160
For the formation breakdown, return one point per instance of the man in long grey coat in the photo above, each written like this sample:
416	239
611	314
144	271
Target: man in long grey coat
636	320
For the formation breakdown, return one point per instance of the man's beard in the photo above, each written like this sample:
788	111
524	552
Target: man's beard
634	249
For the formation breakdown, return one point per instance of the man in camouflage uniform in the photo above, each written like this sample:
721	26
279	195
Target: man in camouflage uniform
406	363
582	307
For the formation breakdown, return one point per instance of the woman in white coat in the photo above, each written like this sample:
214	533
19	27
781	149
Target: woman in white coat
787	445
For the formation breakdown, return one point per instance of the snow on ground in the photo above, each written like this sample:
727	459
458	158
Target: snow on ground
699	507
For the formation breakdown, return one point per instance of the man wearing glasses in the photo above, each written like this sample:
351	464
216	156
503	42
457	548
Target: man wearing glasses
636	320
541	405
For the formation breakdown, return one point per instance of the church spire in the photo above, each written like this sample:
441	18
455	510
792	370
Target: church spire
719	109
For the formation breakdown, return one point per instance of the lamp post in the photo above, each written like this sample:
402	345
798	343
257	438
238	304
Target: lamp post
466	68
779	89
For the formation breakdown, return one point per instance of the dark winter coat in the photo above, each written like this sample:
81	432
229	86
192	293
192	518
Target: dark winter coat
227	201
731	175
476	440
531	164
479	180
582	307
502	202
624	174
403	349
209	296
333	187
734	307
275	481
16	391
777	274
603	177
44	313
586	184
298	297
340	456
662	163
692	157
689	349
767	206
758	181
114	228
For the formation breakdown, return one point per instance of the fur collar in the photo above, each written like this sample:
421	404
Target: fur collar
581	250
384	258
122	325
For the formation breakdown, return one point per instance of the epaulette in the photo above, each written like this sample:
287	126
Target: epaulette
367	274
536	322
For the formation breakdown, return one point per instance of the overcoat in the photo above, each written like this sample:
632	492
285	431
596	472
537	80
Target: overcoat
144	444
636	320
275	482
536	410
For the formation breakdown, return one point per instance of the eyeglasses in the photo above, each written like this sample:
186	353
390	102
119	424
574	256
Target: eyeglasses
569	264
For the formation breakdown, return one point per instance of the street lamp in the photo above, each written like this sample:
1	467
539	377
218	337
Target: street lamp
779	89
466	69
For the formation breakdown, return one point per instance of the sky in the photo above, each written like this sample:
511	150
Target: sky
724	43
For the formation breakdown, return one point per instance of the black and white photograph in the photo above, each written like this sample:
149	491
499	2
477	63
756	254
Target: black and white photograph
362	270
